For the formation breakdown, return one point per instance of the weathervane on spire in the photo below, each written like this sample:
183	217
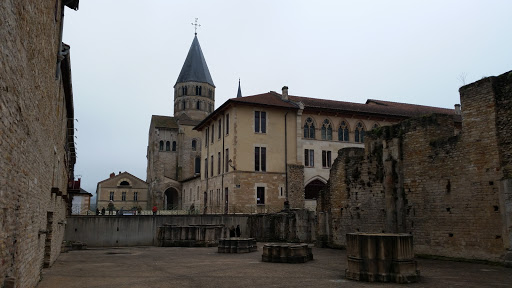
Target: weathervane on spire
195	26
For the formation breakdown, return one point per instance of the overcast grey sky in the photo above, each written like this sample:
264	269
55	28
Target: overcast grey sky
126	57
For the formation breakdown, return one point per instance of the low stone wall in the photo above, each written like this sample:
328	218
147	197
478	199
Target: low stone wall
113	231
142	230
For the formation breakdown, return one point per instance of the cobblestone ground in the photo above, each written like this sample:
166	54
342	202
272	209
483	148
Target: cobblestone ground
204	267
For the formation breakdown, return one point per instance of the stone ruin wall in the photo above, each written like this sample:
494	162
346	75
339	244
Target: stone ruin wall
295	185
451	190
32	140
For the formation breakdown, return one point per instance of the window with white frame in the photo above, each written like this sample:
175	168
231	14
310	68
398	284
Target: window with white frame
260	159
135	196
260	122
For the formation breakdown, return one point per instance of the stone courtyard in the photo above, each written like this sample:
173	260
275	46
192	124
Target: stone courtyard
204	267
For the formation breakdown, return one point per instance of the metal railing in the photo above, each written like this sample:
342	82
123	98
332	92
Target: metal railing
176	210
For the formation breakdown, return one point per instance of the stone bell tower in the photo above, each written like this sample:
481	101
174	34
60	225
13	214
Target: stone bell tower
194	91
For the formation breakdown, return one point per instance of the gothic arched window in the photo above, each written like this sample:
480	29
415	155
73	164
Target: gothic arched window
309	129
343	132
359	133
167	146
161	147
326	130
194	145
173	145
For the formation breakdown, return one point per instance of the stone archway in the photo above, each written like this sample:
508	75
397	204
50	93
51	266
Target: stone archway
312	190
171	200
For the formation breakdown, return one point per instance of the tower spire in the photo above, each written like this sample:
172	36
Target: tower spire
239	94
195	26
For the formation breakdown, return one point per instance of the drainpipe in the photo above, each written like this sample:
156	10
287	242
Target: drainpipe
205	196
286	155
223	165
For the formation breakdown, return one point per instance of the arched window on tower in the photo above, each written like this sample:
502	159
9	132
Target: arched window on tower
198	105
359	133
161	147
194	145
343	132
167	146
309	129
198	90
183	105
173	145
326	130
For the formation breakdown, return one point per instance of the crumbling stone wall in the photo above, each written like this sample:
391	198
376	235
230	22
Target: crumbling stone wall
35	160
296	225
450	190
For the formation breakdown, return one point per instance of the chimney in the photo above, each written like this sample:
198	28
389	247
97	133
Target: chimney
457	109
285	93
112	175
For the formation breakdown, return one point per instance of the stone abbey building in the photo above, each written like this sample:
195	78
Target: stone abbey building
252	154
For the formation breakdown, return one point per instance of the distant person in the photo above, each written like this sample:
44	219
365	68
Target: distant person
102	210
232	231
97	211
139	210
155	209
110	208
238	232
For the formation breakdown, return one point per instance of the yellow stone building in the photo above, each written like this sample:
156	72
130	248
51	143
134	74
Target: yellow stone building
124	190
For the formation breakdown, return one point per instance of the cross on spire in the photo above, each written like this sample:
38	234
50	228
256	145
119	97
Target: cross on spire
195	26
